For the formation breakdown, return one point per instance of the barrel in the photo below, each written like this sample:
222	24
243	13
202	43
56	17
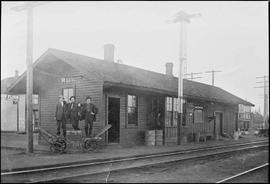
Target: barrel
159	137
236	135
150	137
184	139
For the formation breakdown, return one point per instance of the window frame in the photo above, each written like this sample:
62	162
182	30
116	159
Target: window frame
171	104
168	110
35	99
198	108
68	87
128	124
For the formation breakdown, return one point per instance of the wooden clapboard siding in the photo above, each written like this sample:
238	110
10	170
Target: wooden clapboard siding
84	87
228	112
131	135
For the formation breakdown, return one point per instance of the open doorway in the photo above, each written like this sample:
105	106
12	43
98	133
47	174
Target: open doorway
114	120
218	124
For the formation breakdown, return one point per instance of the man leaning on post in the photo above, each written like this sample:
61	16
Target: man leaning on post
60	115
88	113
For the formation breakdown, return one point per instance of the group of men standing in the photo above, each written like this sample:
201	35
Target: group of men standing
74	112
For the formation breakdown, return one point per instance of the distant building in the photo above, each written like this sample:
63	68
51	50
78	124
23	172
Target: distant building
244	117
257	120
13	108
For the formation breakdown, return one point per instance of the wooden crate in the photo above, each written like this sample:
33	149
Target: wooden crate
150	137
74	135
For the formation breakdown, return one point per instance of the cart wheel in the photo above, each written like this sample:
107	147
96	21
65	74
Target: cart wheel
90	145
59	146
52	149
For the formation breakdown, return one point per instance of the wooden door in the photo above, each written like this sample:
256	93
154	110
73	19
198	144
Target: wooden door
114	120
218	124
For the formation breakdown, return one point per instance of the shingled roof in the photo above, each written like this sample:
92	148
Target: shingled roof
5	83
129	75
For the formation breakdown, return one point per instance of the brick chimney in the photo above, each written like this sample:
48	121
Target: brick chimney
109	52
16	73
169	69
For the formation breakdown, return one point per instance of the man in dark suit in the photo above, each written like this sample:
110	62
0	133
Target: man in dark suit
73	112
89	112
61	115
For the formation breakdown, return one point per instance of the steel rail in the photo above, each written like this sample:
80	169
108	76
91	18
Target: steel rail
140	158
149	164
243	173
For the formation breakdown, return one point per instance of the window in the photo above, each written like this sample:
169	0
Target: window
198	115
185	114
175	111
36	114
35	99
132	110
67	93
172	110
169	111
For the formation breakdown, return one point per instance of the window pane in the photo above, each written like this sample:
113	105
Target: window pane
70	92
132	116
129	100
168	118
65	94
175	118
171	103
36	114
35	99
132	109
167	103
175	104
134	101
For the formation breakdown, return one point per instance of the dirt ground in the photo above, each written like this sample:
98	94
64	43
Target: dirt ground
200	171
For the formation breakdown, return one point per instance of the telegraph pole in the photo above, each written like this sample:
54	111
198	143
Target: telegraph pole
213	75
28	6
182	18
191	75
266	98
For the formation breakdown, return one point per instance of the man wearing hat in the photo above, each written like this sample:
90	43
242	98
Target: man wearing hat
61	115
73	112
89	112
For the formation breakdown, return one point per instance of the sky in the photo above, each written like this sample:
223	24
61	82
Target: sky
230	36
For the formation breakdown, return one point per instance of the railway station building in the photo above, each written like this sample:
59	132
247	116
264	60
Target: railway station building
131	99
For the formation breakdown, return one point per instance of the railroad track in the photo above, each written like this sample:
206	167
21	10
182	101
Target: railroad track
58	173
239	175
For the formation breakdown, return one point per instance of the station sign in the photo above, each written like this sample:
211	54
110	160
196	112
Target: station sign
68	80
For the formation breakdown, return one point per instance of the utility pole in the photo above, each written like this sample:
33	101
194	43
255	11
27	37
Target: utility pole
191	75
213	75
266	98
182	18
28	6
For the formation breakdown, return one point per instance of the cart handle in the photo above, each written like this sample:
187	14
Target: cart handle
107	127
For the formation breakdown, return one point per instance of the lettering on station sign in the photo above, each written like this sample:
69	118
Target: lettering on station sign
67	80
